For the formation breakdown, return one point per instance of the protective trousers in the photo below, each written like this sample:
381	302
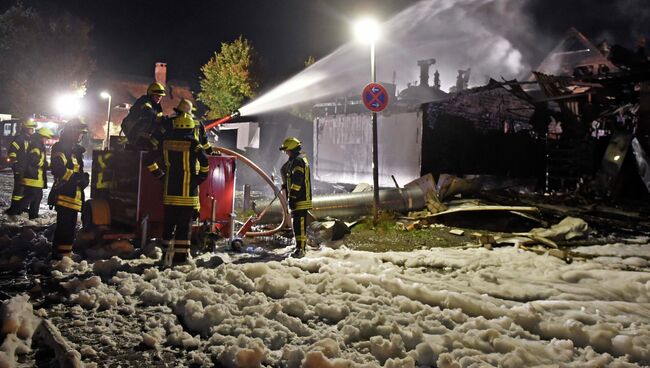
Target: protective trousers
31	201
66	223
16	197
176	231
299	219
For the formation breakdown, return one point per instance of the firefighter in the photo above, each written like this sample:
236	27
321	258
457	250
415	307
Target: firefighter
144	118
185	167
17	152
69	182
296	180
185	106
34	173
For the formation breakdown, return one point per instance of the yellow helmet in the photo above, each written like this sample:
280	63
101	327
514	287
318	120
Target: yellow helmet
156	88
29	123
290	144
45	132
185	106
183	121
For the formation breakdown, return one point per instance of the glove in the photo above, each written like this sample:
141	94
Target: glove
84	181
215	152
158	174
77	149
198	179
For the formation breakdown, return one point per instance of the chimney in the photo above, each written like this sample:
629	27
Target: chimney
436	80
424	71
160	73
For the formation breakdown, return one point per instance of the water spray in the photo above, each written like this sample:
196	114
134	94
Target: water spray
459	34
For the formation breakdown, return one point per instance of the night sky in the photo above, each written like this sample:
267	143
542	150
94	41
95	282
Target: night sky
130	35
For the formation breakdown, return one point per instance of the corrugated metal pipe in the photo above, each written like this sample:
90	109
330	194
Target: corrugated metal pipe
348	206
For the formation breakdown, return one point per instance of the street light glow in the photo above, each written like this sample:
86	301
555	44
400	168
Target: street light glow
105	95
367	30
68	104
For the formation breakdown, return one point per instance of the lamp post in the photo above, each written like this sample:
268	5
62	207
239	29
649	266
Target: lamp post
367	30
106	95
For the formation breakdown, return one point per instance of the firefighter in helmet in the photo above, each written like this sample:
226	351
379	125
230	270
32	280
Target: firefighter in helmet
296	180
182	164
34	174
185	106
17	152
144	118
69	182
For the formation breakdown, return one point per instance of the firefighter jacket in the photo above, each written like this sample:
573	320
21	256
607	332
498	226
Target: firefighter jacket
202	136
35	164
103	176
166	126
142	121
182	164
69	177
297	181
17	151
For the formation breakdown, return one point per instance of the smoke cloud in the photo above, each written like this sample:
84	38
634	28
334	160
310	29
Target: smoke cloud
495	38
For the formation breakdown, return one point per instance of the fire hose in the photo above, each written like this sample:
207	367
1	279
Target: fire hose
277	192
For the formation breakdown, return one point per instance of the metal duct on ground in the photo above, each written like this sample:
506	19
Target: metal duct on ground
354	205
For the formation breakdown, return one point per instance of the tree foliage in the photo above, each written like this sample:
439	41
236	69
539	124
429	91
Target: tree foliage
41	55
228	78
309	61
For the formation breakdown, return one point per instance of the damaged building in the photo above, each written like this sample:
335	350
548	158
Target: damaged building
568	126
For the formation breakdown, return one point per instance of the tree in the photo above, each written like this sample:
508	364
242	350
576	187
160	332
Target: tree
228	78
41	56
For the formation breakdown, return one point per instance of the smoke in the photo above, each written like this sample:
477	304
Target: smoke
491	37
617	22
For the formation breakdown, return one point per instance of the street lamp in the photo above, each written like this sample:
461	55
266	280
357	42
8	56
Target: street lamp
367	30
106	95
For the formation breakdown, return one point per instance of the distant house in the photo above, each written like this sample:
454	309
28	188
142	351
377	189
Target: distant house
124	90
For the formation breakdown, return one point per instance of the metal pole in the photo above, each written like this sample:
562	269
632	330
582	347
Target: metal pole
108	127
375	154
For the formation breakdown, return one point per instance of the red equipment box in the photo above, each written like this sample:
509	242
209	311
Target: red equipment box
134	196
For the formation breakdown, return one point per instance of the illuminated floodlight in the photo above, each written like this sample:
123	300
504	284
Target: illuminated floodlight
367	30
105	95
68	104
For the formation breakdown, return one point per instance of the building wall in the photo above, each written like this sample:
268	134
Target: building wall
343	148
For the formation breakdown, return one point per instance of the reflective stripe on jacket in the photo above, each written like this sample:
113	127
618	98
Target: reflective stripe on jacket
185	166
35	165
67	169
104	174
18	150
298	182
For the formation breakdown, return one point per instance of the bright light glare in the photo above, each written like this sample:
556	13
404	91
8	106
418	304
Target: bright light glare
105	95
367	30
68	105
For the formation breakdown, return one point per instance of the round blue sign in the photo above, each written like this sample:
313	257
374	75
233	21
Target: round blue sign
375	97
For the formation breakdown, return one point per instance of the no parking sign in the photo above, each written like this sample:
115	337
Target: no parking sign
375	97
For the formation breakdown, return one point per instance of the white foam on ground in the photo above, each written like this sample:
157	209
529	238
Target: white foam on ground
339	308
18	326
